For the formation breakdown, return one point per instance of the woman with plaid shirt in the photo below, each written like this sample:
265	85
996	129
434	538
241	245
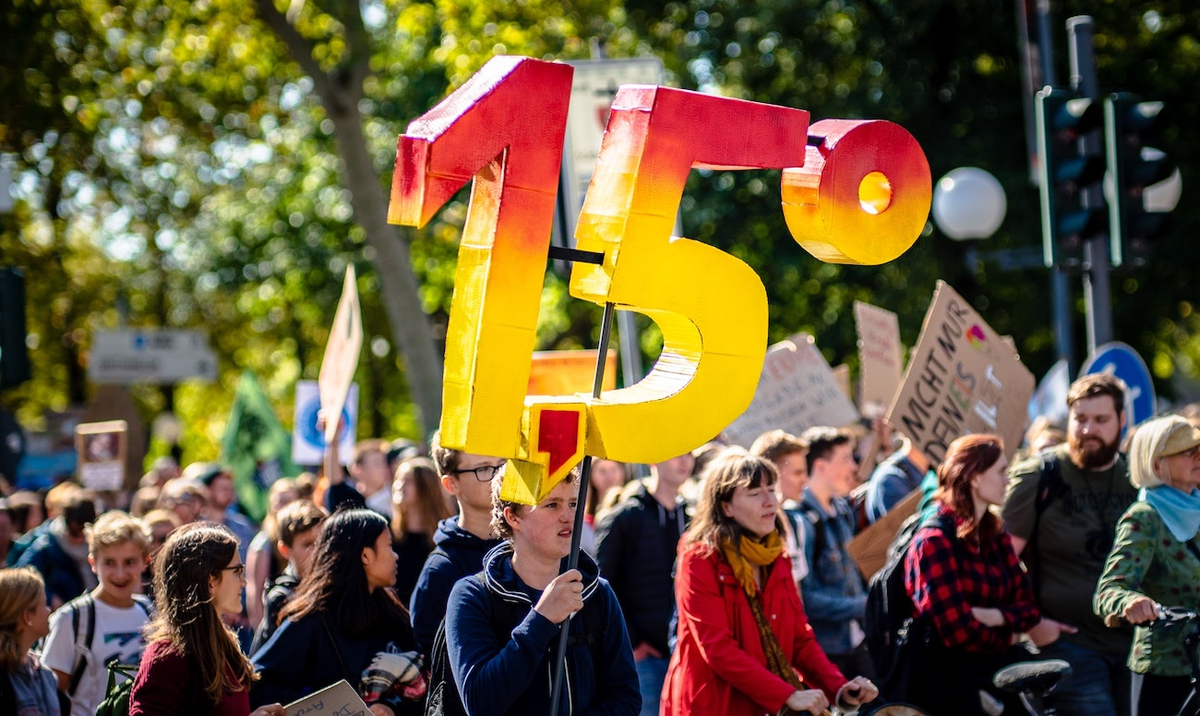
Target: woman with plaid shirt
969	587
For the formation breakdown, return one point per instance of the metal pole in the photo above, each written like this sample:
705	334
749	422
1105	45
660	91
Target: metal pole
1096	292
577	531
1060	286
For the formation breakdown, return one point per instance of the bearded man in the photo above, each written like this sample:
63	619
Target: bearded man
1062	509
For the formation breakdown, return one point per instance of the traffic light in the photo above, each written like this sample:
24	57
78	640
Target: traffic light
1071	166
1137	207
14	358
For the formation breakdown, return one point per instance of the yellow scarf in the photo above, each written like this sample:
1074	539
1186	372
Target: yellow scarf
753	553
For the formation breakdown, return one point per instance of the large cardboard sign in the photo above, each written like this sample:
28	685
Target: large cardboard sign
101	448
341	353
852	191
962	378
880	356
796	390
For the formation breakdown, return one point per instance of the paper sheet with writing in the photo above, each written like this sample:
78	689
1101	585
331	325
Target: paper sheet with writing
338	699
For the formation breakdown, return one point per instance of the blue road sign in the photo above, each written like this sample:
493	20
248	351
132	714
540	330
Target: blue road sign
1125	363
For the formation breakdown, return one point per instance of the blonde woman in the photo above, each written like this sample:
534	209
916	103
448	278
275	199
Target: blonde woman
27	687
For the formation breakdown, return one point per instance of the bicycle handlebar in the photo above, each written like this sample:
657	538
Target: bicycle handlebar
1166	615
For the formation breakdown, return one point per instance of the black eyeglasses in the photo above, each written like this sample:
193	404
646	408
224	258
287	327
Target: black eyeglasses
239	570
483	473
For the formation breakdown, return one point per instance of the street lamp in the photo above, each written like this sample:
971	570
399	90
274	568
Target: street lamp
968	204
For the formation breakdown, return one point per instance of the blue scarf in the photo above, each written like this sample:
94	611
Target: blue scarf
1179	510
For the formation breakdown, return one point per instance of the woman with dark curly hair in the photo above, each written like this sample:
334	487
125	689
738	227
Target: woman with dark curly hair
967	586
345	622
193	664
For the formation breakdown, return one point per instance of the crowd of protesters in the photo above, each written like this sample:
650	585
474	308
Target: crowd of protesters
720	583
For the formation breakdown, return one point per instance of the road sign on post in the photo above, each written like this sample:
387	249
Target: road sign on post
1124	362
150	356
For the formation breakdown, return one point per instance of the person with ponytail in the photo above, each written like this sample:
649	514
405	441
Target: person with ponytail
27	688
344	621
745	647
193	664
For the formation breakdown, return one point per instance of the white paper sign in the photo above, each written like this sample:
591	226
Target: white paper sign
339	699
308	441
341	353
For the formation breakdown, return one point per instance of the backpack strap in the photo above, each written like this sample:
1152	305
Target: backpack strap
83	623
817	520
1050	486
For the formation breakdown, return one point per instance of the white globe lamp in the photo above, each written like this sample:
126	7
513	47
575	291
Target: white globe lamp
969	203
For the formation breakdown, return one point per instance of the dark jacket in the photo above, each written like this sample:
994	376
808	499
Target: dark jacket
278	593
305	656
515	676
635	547
457	554
64	580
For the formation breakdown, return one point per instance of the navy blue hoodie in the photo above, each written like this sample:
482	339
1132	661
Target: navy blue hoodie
515	676
456	554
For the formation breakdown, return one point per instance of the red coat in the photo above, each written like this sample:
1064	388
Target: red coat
719	666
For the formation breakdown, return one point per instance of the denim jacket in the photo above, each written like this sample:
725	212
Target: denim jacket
833	590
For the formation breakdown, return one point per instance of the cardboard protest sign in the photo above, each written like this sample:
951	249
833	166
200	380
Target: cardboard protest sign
880	356
796	390
101	448
338	699
567	372
341	353
962	378
869	547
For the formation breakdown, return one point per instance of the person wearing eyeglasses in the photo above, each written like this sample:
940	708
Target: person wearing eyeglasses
193	664
460	541
1155	560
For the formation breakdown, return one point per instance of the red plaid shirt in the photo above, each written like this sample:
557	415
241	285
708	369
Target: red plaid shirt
945	582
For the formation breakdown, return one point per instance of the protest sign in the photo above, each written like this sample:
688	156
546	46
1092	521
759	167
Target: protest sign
308	440
880	356
338	699
796	390
341	353
101	448
567	372
962	378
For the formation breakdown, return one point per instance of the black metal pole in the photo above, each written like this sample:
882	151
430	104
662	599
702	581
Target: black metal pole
560	660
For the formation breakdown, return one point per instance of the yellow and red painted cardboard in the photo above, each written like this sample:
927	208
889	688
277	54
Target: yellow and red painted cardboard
504	129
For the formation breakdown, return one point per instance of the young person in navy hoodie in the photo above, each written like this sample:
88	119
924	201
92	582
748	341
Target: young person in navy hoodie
502	626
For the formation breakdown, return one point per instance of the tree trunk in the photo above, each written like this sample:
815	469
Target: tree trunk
401	300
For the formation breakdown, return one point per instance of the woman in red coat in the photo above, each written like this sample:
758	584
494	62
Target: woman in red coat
745	647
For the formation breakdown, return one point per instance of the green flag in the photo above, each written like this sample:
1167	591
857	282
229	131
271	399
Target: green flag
256	448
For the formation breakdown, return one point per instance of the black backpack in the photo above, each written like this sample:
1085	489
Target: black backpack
443	698
892	631
83	625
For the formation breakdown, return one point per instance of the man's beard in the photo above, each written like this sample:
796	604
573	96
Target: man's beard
1093	453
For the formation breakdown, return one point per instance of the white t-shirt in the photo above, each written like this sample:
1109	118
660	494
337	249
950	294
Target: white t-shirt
118	633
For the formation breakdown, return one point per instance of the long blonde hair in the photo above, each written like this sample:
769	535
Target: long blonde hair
732	469
21	590
186	615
